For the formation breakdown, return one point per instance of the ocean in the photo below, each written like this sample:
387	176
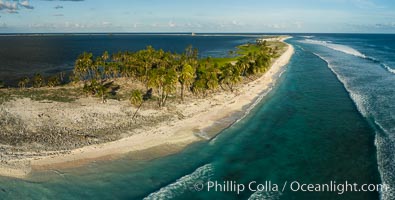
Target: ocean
329	118
27	54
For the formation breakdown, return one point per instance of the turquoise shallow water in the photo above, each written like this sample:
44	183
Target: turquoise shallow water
306	129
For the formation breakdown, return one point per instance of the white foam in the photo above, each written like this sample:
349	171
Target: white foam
202	134
358	99
185	183
385	165
384	140
262	195
336	47
213	141
300	47
389	68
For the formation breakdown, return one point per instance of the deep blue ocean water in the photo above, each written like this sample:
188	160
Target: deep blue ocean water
24	55
329	117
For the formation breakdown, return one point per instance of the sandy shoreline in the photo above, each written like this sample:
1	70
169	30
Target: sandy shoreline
204	122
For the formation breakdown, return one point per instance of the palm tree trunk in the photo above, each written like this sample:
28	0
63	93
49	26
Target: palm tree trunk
102	99
182	92
222	87
164	100
135	113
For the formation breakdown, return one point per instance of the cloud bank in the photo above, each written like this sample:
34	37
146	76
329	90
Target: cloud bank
13	6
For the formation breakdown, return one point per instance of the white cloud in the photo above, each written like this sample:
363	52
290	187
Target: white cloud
13	6
8	6
26	4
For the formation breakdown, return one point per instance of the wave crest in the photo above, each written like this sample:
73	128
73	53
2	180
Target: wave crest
337	47
261	195
384	141
185	183
388	68
348	50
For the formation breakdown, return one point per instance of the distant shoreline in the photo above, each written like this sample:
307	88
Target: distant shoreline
207	118
192	34
13	69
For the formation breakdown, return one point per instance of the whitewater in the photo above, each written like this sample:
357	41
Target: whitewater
371	85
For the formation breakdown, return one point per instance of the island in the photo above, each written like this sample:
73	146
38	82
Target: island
150	102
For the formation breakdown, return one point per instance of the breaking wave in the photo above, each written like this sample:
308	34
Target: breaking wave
184	184
357	98
389	69
262	195
348	50
383	141
337	47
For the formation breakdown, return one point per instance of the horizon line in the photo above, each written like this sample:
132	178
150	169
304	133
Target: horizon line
189	33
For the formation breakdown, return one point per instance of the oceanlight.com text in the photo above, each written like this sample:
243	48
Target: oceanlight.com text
293	186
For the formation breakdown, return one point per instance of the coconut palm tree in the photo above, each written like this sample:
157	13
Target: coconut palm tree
146	60
53	81
107	71
163	78
105	56
163	71
83	64
263	62
136	99
101	91
97	67
200	84
186	77
242	64
191	56
23	82
230	75
38	80
212	77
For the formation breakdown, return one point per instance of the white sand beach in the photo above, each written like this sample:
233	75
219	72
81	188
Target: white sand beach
173	135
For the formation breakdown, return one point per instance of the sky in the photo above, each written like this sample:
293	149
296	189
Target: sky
274	16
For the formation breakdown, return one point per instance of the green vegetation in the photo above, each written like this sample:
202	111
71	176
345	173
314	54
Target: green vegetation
224	61
166	71
56	94
166	75
230	75
23	82
53	81
248	48
186	76
38	81
136	98
4	96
